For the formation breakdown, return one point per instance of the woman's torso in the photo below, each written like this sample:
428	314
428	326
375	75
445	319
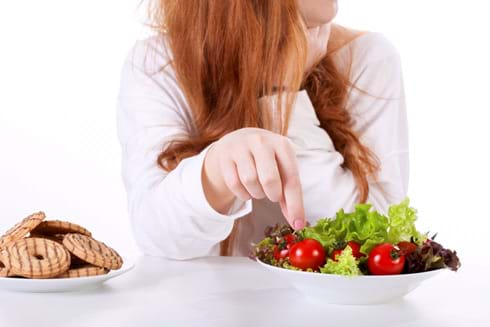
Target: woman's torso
314	147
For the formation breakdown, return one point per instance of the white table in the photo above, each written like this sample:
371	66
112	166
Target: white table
223	291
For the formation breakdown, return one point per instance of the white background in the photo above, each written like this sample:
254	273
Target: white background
59	75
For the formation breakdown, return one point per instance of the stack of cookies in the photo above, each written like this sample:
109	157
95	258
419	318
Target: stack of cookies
38	248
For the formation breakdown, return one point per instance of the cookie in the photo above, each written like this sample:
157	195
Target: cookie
4	271
84	271
58	238
21	229
56	227
92	251
36	258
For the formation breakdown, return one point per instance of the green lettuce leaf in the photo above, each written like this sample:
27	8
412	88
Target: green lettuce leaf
402	224
367	227
323	232
364	226
345	265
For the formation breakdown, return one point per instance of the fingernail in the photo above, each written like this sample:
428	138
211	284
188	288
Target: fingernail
298	224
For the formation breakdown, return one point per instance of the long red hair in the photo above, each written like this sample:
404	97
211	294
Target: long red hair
227	54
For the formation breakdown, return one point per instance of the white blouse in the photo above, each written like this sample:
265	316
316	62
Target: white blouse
169	213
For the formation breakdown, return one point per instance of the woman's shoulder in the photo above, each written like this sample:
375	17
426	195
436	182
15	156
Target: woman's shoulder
148	68
361	47
150	54
370	60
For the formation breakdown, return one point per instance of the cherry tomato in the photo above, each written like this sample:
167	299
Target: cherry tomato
280	254
385	259
336	253
356	251
308	253
407	247
290	238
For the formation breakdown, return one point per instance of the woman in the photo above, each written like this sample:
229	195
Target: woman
239	114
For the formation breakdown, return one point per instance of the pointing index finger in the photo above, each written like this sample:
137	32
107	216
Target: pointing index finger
292	190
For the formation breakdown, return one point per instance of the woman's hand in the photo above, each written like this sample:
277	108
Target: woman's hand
254	163
317	44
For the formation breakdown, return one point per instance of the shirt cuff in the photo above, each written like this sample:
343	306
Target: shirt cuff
197	199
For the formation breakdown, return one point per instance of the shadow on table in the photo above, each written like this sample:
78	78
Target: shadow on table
287	307
147	273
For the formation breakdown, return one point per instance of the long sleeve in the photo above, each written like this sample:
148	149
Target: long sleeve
377	105
169	213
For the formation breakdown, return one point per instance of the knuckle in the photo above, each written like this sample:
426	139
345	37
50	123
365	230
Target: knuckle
249	179
270	182
285	143
255	139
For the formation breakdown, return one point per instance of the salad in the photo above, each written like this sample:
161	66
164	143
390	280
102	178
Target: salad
363	242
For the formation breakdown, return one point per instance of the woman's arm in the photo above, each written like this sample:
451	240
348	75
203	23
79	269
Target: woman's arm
169	212
380	121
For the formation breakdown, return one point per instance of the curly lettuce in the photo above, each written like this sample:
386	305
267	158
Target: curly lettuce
346	264
401	218
367	227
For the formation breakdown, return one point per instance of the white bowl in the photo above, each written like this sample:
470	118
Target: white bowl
336	289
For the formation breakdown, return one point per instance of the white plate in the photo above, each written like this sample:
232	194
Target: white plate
338	289
61	284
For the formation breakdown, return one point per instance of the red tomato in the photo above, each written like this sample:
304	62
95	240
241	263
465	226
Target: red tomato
290	238
385	259
407	247
356	250
308	253
336	253
280	254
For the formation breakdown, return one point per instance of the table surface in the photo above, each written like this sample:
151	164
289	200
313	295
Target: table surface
235	291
